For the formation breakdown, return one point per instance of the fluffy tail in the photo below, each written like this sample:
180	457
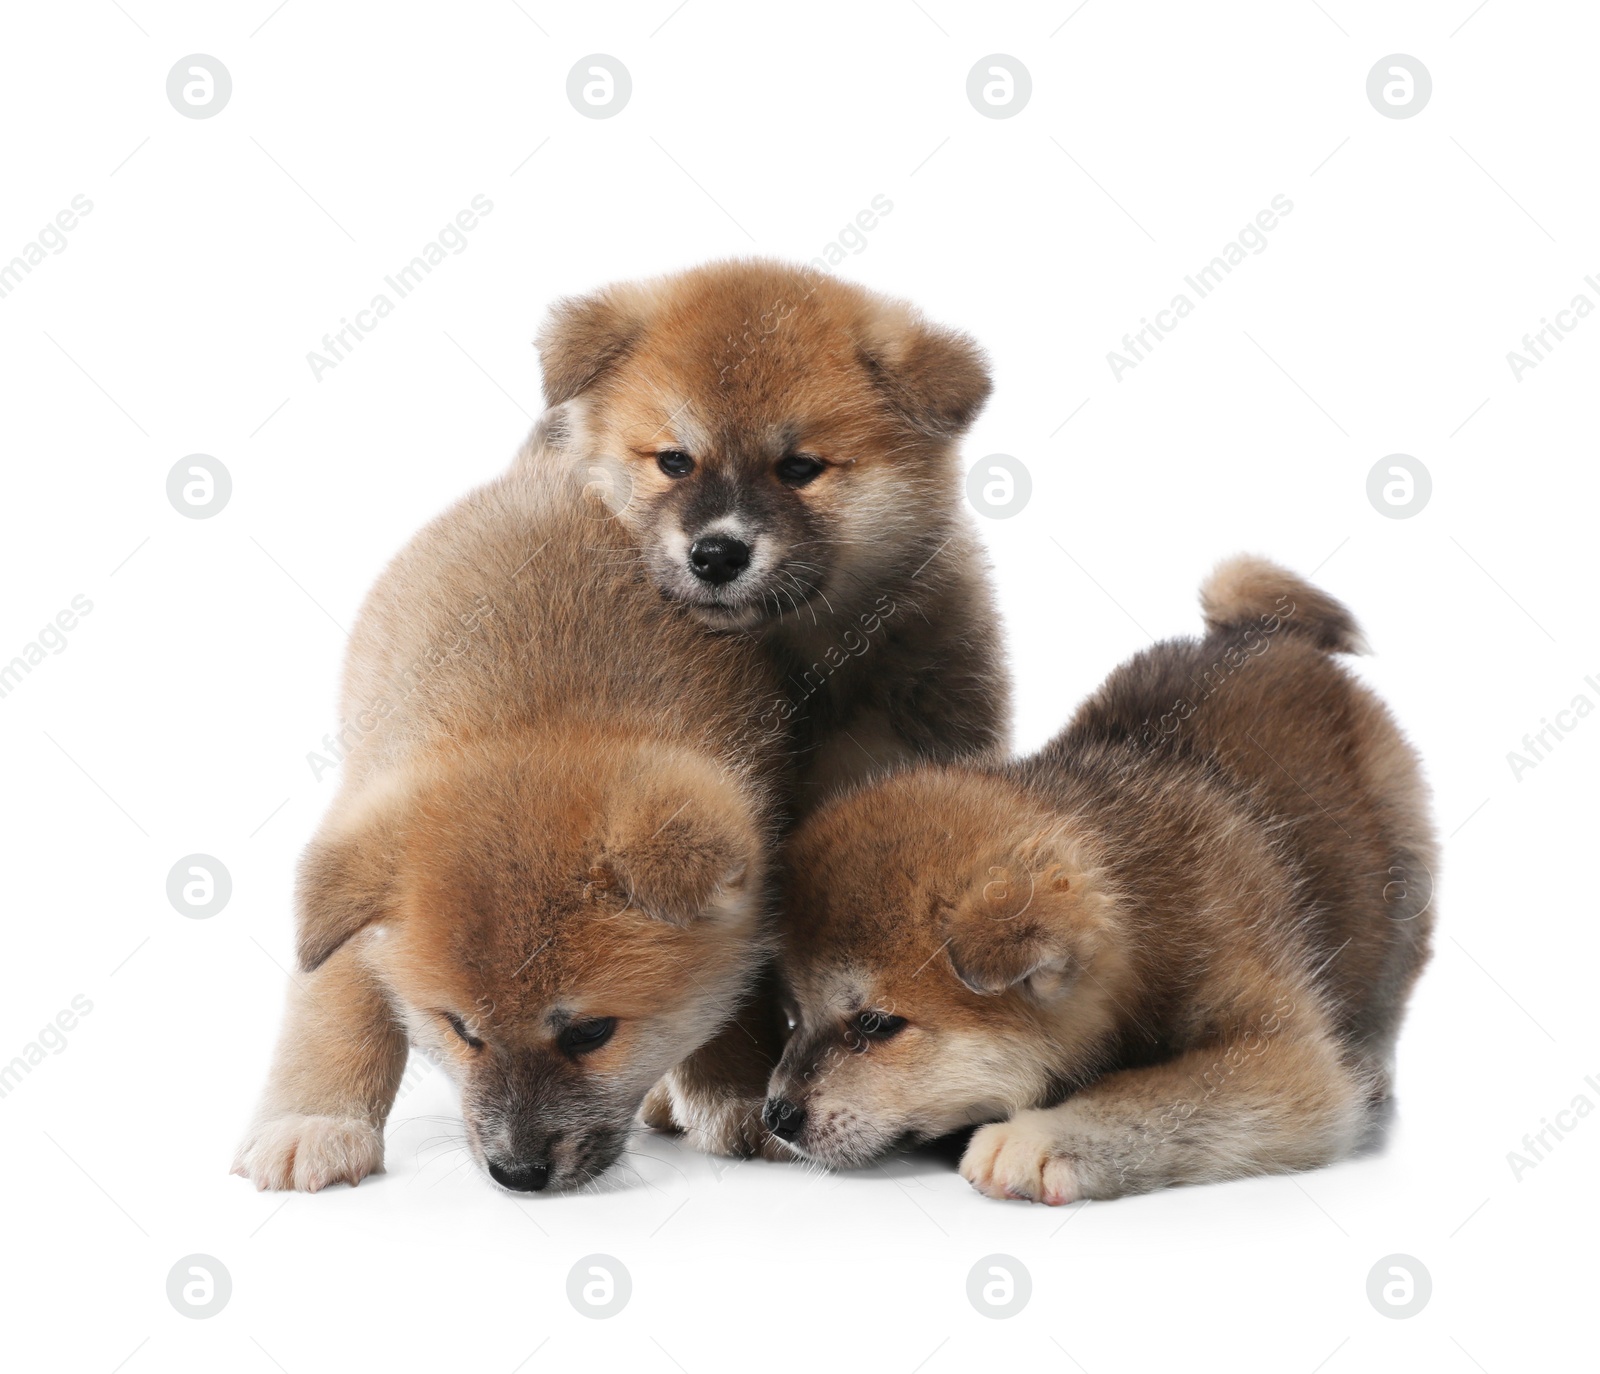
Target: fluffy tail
1251	592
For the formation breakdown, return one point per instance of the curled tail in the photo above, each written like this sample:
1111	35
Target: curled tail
1246	591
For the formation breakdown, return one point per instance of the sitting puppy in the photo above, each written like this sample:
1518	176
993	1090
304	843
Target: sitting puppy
546	864
780	446
1174	946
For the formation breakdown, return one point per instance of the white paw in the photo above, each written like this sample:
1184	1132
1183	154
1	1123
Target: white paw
656	1109
725	1125
309	1152
1022	1158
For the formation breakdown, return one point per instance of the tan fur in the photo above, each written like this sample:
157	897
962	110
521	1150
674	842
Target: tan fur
1174	946
557	808
867	584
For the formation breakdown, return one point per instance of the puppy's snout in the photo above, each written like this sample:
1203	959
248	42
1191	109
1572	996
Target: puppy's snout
520	1178
718	558
783	1118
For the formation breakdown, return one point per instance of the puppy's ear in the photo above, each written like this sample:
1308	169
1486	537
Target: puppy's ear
584	337
937	379
346	879
1033	916
679	840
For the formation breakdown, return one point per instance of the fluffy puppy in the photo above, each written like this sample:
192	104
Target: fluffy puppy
546	863
781	446
1174	946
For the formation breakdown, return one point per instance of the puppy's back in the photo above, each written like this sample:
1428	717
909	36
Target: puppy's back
525	607
1260	705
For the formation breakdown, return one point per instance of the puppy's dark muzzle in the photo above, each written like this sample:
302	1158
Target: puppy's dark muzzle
783	1118
718	559
521	1178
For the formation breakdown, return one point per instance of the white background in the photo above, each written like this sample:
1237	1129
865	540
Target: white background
178	718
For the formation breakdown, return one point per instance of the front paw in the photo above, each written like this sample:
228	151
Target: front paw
656	1109
1024	1158
724	1124
309	1152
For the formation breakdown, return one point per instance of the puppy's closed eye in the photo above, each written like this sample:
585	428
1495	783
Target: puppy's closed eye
460	1028
799	469
877	1025
583	1036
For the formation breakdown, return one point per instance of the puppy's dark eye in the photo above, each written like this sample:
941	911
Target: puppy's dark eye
582	1036
797	470
878	1025
460	1028
674	462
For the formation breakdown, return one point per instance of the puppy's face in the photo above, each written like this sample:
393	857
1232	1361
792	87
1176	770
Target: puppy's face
531	922
769	436
937	937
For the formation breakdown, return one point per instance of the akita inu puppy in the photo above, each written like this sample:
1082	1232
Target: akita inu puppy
782	448
546	863
1173	946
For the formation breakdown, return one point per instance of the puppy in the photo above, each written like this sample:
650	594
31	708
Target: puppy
781	446
1174	946
545	866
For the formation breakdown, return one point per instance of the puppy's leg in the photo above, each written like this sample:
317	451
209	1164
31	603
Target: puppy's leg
1261	1103
656	1109
334	1077
717	1093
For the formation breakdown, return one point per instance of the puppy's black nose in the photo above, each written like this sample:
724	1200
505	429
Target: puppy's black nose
520	1178
783	1118
718	559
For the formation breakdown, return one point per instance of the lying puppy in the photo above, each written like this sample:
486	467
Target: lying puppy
545	866
780	446
1174	946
